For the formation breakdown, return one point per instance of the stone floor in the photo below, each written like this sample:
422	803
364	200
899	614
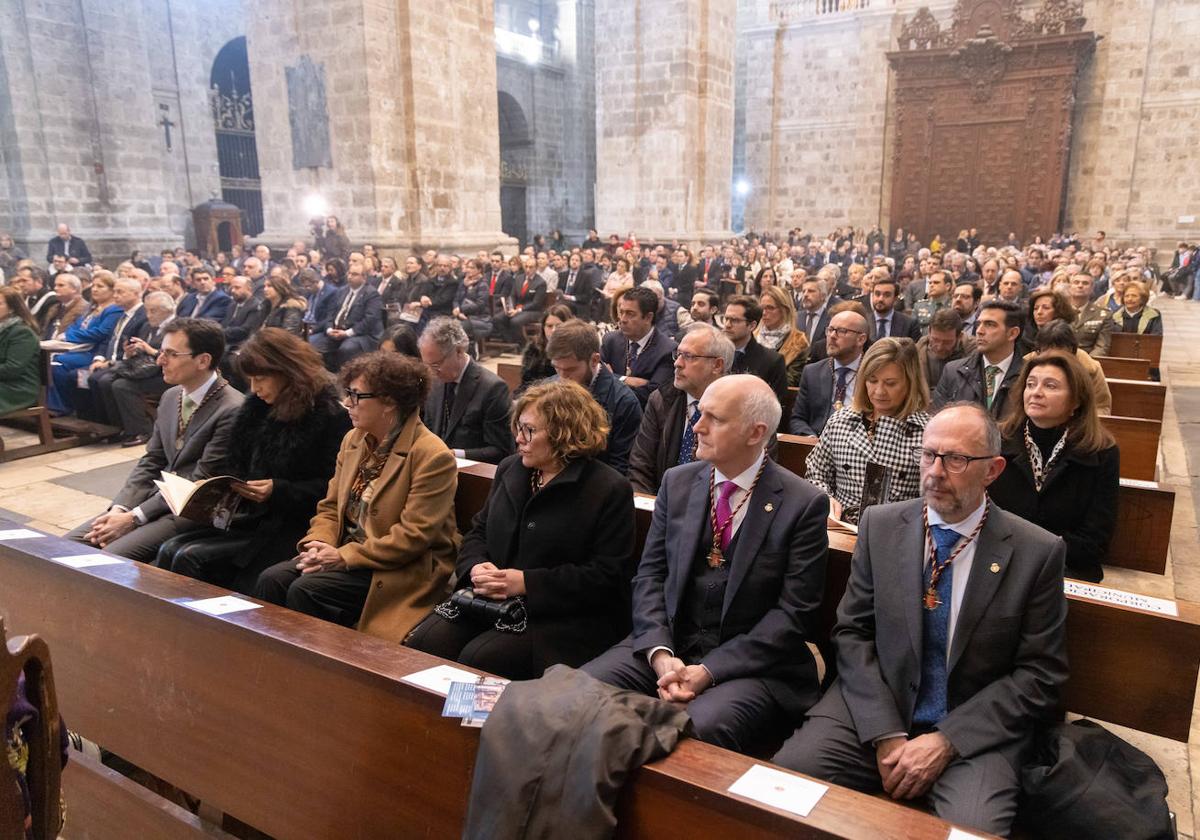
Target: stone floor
55	492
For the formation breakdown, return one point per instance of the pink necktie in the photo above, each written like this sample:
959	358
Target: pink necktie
725	514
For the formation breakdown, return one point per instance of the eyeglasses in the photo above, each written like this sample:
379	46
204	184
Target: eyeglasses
688	358
729	320
842	332
525	432
172	354
437	366
354	397
952	462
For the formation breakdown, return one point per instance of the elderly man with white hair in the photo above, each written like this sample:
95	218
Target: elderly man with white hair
730	582
138	376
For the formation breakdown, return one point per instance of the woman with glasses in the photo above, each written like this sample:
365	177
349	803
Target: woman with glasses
283	447
381	546
777	330
866	448
555	537
1064	468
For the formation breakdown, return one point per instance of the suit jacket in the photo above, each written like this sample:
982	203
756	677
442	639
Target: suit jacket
365	315
215	308
202	454
814	402
776	579
534	297
767	365
479	418
1007	661
411	536
582	293
75	248
654	363
963	380
818	332
243	320
574	541
902	326
323	308
136	327
499	283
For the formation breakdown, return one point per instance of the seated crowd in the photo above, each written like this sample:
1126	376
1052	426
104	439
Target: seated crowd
953	396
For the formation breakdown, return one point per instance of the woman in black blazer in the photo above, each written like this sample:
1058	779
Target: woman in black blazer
1063	468
284	447
558	532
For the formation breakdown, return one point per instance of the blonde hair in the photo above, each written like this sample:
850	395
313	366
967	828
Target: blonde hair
903	353
576	425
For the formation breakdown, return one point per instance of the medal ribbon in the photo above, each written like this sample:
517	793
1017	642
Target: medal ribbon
930	600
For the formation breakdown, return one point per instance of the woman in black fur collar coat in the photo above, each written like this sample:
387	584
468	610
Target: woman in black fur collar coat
284	448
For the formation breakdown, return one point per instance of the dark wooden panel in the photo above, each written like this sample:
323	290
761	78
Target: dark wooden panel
1135	346
510	373
793	451
1120	367
1138	442
1142	399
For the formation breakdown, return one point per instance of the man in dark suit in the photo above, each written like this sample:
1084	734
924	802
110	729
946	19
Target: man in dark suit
527	303
666	436
742	316
885	321
590	270
576	289
730	582
574	350
72	247
813	316
637	353
468	406
138	375
949	657
498	278
684	277
322	298
190	439
356	324
207	301
829	384
986	374
245	316
98	404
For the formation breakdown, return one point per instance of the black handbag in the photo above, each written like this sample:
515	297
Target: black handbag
509	615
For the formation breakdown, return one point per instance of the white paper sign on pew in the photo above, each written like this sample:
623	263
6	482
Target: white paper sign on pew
779	789
1120	597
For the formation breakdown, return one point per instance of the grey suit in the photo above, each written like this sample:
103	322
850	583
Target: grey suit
478	422
1005	667
202	454
814	402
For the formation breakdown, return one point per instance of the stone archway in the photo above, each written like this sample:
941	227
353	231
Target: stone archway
516	153
233	122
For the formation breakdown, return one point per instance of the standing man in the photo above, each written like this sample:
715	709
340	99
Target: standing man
637	353
742	316
468	406
574	350
730	582
666	436
828	385
357	323
1094	322
985	375
950	640
190	439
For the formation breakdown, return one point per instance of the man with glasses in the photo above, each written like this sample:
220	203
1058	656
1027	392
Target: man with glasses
742	316
985	375
827	385
950	641
468	406
190	439
666	437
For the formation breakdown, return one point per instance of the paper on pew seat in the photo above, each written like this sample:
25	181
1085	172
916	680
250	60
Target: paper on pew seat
465	462
19	534
1120	597
439	678
641	502
83	561
220	606
779	789
959	834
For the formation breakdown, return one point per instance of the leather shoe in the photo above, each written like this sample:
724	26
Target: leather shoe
136	440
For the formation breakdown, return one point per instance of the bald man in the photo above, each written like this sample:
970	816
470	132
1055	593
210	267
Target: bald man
827	385
730	581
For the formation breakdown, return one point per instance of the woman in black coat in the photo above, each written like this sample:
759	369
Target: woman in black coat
1064	468
557	532
287	307
283	447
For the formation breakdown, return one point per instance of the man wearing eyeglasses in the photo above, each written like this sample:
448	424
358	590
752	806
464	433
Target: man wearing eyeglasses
827	385
950	641
742	316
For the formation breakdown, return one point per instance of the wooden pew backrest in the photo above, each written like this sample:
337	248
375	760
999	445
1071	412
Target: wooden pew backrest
1144	400
1134	346
1119	367
1138	441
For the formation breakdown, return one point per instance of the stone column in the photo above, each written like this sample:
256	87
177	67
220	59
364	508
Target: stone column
664	118
410	156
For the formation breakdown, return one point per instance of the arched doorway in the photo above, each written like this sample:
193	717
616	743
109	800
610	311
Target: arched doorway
233	122
516	149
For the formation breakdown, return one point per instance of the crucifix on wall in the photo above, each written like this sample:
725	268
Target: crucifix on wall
166	123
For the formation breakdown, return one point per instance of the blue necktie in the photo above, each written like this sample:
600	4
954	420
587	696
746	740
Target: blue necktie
931	699
687	446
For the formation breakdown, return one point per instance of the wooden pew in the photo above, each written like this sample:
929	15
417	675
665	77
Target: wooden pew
1144	400
510	373
303	729
1138	442
1119	367
1134	346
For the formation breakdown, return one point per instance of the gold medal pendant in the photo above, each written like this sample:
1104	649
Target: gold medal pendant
931	601
715	558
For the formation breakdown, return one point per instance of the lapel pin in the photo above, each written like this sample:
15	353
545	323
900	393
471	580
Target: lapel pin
768	507
995	568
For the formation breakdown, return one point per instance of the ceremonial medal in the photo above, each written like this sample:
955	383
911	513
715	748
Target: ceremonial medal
931	601
837	406
715	558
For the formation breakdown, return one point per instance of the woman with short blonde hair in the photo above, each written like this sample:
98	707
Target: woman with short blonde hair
777	330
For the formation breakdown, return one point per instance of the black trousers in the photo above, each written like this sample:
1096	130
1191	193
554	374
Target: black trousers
129	398
213	556
478	645
336	596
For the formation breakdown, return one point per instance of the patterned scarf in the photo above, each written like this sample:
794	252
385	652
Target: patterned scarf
1040	470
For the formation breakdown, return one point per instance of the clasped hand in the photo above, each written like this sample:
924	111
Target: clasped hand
679	682
109	527
319	557
497	584
909	768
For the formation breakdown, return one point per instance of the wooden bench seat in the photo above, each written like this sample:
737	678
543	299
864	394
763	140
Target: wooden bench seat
1120	367
1135	346
1144	400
